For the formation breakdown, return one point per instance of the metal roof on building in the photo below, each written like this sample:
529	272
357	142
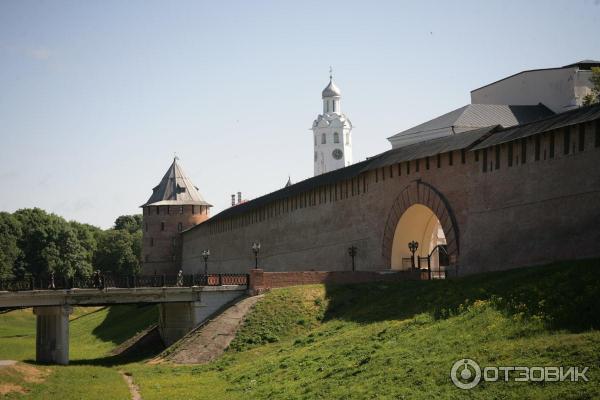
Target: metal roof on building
432	147
583	64
175	188
477	116
561	120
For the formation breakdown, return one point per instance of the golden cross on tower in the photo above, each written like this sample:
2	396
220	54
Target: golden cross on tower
330	73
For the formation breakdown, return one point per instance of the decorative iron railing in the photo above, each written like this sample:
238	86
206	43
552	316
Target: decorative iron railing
101	281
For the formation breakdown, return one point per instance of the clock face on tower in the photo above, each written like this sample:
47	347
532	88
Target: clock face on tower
337	154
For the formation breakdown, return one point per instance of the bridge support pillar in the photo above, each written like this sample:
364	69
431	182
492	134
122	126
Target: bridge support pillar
175	320
52	334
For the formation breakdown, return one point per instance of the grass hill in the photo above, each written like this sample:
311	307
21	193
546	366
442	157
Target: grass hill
400	340
385	341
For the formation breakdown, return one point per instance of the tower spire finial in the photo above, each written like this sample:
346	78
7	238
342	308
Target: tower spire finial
330	73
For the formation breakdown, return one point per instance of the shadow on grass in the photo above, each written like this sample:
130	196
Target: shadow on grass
124	321
146	348
564	295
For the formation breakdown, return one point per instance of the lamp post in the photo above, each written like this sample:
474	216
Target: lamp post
256	249
205	254
413	246
352	252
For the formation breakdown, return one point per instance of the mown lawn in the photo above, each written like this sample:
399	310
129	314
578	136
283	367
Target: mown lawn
383	341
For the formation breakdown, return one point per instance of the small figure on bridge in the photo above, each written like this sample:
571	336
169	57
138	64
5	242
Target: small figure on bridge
180	278
97	280
51	285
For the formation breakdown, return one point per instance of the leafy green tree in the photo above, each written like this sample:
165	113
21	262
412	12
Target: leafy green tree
88	236
130	223
118	252
48	243
10	231
594	96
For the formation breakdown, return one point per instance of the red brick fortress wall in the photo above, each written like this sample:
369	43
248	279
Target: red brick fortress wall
261	280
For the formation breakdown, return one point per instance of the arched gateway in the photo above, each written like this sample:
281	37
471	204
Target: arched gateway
423	214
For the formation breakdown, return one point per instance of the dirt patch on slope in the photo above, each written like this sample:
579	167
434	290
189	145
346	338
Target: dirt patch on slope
6	388
19	372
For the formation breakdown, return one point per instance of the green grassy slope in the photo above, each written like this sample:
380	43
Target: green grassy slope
384	341
400	340
93	373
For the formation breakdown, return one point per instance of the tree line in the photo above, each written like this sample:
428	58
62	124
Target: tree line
36	243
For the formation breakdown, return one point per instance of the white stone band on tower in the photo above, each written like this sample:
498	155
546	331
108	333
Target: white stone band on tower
331	133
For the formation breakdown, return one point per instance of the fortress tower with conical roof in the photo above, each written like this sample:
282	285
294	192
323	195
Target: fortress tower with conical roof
174	206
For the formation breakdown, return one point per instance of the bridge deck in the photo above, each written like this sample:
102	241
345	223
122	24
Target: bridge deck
106	296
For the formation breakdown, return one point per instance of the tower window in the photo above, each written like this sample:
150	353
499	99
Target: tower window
323	138
334	104
162	226
327	106
581	141
347	137
179	227
523	150
315	140
336	137
551	144
193	209
157	210
180	209
168	209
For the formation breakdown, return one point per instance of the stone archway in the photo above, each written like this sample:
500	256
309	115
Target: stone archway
419	192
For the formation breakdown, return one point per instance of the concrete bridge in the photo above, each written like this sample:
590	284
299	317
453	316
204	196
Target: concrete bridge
180	310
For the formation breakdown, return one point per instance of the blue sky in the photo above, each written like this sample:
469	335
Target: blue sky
96	97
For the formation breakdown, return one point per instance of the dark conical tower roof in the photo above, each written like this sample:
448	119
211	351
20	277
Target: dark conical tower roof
175	188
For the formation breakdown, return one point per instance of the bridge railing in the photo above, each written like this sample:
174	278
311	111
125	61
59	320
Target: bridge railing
102	281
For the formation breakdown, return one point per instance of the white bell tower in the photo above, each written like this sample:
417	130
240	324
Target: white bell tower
331	133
